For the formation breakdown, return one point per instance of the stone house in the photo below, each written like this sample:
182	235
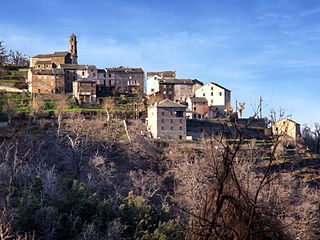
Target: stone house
126	80
172	88
218	99
85	90
286	127
46	81
154	78
197	108
167	119
74	72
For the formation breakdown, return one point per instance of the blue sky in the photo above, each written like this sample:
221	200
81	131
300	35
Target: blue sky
267	48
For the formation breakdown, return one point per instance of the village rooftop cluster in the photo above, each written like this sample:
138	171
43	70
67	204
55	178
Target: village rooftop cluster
184	108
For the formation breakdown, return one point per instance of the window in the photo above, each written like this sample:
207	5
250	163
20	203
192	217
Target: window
204	94
212	94
211	88
44	77
180	120
91	70
51	91
180	128
152	89
194	115
194	108
74	78
94	74
162	128
171	113
171	128
52	84
171	120
39	84
81	84
39	77
162	120
67	77
52	77
162	113
38	65
39	91
45	84
211	101
109	75
155	78
220	93
104	75
82	73
199	116
179	114
92	98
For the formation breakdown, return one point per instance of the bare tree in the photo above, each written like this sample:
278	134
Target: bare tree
17	58
109	105
36	106
211	189
3	53
60	106
9	108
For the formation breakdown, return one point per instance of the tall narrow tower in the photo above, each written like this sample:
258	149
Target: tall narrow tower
73	49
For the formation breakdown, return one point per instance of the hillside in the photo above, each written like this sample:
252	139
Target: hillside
89	178
12	77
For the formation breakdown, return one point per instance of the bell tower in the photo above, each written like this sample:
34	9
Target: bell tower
73	49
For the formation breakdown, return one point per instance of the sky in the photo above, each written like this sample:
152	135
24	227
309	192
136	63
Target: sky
267	48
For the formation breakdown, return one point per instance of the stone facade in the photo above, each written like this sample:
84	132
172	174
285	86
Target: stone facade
197	108
167	119
174	89
73	49
55	58
126	80
74	72
47	81
286	127
85	90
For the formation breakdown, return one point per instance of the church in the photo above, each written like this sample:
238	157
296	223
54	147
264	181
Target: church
49	61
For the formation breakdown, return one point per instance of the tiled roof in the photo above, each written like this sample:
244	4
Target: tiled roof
179	81
163	74
198	99
169	103
53	71
55	54
77	66
219	86
122	69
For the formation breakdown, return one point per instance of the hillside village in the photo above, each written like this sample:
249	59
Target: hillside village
176	108
114	153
